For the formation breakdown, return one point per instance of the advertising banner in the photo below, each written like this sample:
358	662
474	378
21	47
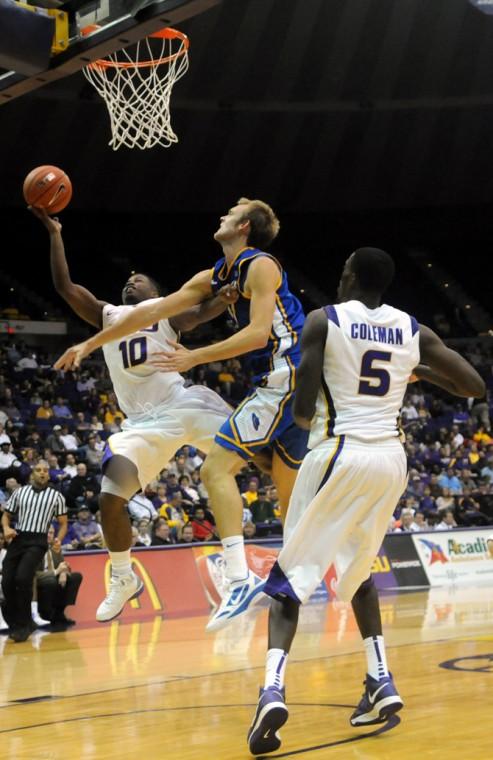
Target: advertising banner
404	562
455	556
171	581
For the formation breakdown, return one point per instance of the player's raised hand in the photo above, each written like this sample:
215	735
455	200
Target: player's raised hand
72	357
50	222
179	360
229	293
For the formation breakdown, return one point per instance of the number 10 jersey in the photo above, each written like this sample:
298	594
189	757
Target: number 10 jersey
141	389
369	356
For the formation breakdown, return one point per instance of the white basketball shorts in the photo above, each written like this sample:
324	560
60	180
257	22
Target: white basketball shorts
194	417
342	501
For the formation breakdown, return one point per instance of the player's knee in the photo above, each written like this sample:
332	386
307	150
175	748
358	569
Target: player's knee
120	480
365	587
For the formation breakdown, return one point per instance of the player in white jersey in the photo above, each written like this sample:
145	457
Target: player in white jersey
356	361
162	415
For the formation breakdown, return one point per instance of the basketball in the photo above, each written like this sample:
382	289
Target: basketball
47	187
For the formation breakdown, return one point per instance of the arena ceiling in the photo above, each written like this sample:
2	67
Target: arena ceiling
312	104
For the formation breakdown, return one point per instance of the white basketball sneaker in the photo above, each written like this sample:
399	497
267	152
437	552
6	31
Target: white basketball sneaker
121	590
238	597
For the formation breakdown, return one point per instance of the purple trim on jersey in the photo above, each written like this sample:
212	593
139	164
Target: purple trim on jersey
106	455
414	325
332	315
278	584
331	422
331	466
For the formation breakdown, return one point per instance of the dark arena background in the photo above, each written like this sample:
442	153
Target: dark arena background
362	123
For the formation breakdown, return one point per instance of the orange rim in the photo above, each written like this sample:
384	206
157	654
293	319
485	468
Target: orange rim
167	33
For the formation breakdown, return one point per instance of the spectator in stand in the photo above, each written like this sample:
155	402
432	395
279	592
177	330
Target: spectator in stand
203	530
193	459
393	526
162	534
54	441
427	502
480	412
468	512
198	485
70	468
85	384
96	425
186	535
10	466
33	440
86	530
81	425
448	521
262	510
141	507
445	501
93	454
408	410
70	440
57	474
481	436
61	410
420	522
251	494
179	466
144	530
45	412
160	500
487	470
57	586
247	515
450	481
9	407
190	495
83	486
172	485
457	437
27	362
249	530
175	514
113	416
4	438
407	522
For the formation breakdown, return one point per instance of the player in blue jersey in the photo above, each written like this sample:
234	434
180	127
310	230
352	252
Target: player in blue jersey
269	319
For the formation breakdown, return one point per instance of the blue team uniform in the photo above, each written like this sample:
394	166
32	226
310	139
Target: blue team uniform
265	418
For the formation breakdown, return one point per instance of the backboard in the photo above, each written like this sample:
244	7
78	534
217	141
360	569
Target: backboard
120	22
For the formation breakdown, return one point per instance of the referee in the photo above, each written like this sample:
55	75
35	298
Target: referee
34	508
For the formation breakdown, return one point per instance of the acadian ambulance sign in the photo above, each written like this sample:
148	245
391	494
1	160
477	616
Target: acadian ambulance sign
455	556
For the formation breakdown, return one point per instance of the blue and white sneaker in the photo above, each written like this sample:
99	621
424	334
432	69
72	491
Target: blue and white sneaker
270	716
236	601
379	701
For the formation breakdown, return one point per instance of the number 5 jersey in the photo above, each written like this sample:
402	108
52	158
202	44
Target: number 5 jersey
369	356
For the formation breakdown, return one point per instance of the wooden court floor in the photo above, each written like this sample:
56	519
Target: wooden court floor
165	689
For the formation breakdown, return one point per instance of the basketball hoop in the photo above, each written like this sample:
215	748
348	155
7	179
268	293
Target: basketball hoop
137	88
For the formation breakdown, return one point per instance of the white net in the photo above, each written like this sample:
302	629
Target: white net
137	89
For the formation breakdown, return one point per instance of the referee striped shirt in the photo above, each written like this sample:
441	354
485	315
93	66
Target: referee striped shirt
35	508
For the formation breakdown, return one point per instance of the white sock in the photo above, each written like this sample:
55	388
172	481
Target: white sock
34	608
275	667
234	556
375	656
120	563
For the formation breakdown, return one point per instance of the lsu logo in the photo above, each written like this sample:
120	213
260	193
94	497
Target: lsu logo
255	421
436	552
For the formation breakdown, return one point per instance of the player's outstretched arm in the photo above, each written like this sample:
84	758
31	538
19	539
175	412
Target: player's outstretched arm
309	373
80	300
205	311
143	315
262	282
446	368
